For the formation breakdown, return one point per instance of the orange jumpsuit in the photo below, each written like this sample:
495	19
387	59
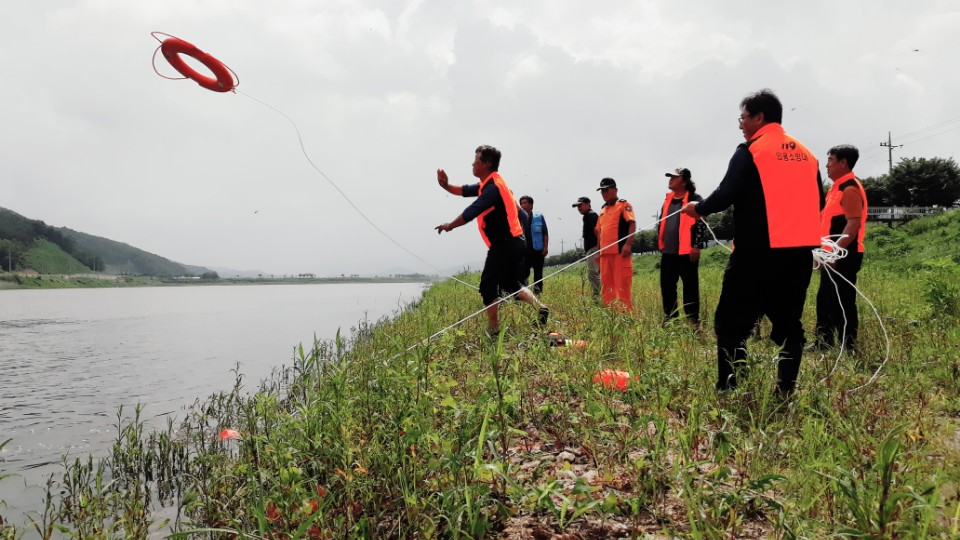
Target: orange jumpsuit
616	270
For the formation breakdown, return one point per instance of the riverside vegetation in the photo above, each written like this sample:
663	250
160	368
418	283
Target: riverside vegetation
464	438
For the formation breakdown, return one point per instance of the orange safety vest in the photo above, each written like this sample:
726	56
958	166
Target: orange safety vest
834	209
613	224
686	223
509	204
788	173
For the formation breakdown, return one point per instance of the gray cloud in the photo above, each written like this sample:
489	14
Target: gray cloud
384	93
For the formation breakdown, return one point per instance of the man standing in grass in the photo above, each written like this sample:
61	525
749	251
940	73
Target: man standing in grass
844	218
615	229
590	242
773	183
538	238
498	218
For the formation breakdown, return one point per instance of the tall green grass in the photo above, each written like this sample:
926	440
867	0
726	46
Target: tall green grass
469	437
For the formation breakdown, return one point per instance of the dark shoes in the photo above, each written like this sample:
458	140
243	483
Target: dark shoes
543	315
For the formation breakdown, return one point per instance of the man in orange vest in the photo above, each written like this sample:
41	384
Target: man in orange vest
844	218
773	183
616	226
680	238
498	218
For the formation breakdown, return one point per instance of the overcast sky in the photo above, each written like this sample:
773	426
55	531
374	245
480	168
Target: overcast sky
386	92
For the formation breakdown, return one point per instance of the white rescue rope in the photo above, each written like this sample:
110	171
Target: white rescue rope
500	300
829	252
349	201
826	257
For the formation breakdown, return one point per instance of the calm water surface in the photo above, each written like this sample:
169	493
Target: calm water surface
70	358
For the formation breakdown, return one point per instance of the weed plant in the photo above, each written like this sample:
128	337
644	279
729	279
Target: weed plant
468	437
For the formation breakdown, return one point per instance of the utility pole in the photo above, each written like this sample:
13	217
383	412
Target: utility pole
890	147
561	245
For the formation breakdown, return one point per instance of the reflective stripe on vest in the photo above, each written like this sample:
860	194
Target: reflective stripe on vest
834	208
536	231
788	174
686	223
509	205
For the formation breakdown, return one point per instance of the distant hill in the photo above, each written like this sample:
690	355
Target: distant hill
31	243
119	258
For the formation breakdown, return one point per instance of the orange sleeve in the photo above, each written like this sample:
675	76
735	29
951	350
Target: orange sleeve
852	203
628	213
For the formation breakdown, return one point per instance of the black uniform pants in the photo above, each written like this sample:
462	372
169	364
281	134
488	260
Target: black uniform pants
837	302
534	259
675	267
766	282
501	269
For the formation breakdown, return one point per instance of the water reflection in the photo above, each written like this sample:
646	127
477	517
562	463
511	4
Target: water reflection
70	358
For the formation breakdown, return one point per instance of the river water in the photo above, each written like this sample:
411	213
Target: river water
70	358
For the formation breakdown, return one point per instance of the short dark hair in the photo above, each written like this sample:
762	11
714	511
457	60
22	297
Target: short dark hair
527	198
490	156
766	102
845	152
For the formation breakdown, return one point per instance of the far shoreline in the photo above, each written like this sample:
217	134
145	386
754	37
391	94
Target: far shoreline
10	282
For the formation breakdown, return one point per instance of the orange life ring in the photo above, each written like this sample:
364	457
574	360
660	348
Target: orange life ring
172	49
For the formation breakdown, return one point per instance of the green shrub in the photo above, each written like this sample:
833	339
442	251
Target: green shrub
942	288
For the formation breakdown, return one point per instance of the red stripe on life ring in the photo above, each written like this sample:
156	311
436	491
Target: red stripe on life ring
173	47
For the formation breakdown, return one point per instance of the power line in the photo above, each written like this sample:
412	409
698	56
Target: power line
873	148
935	126
866	156
954	128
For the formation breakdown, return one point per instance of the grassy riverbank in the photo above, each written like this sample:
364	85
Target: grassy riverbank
465	438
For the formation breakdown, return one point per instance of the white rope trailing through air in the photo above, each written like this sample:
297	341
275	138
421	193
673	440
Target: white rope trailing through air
426	340
819	254
344	195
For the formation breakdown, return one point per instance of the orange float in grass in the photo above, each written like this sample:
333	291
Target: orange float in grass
229	434
613	378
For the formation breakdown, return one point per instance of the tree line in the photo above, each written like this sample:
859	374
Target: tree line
916	182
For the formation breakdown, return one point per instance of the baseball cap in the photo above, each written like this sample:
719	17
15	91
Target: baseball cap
607	183
685	173
580	201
